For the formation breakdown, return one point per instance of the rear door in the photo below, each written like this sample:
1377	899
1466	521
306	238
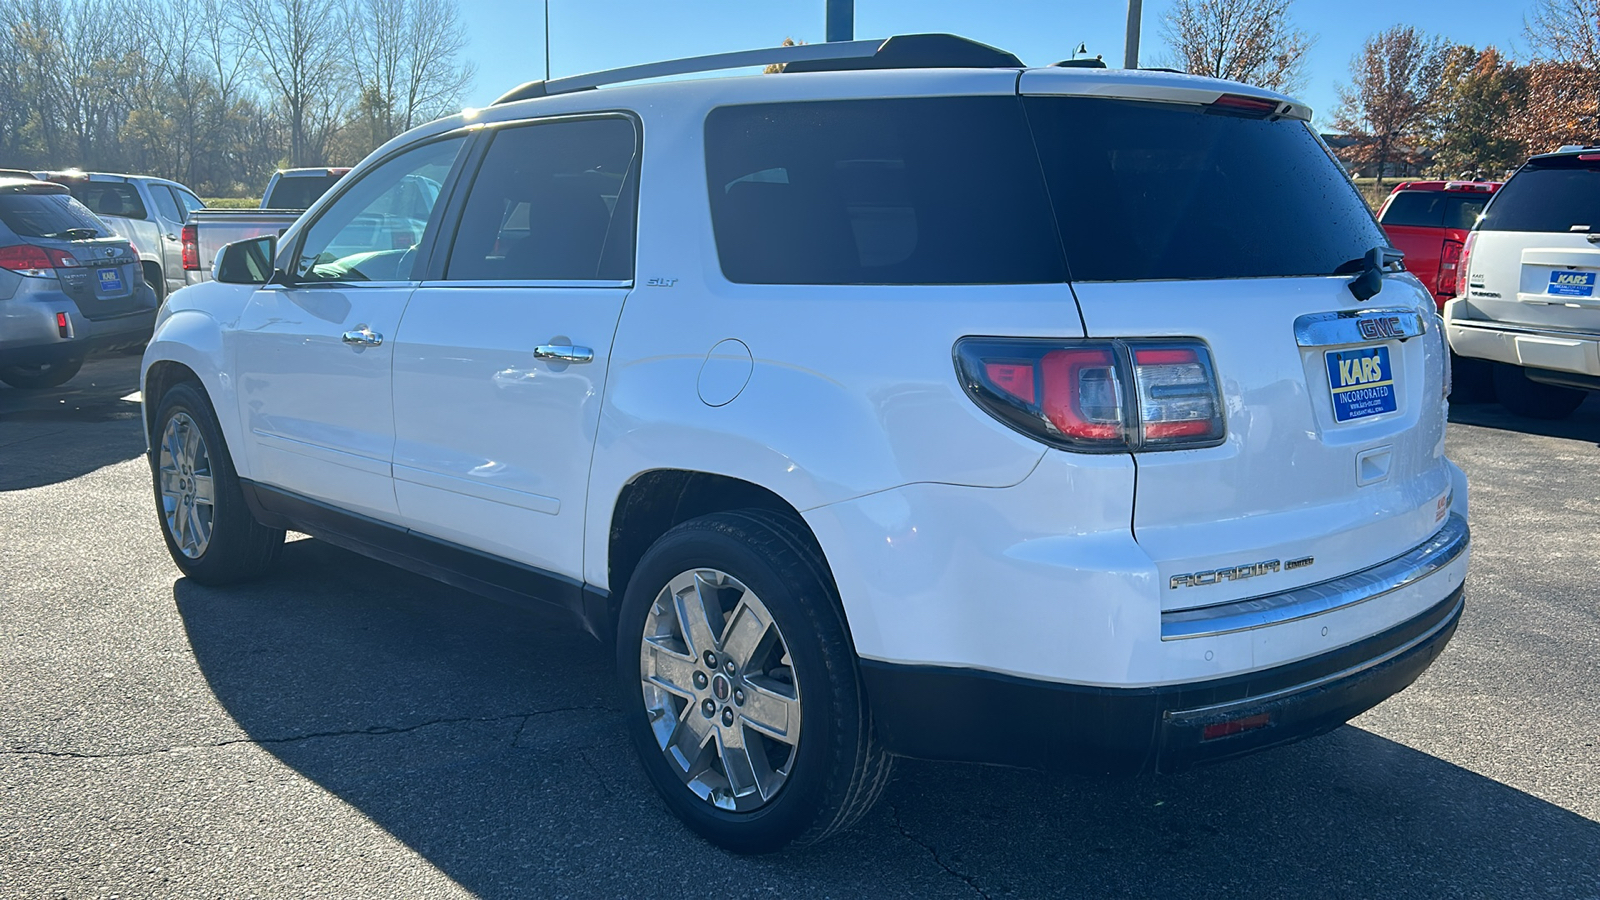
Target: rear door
314	359
1535	258
169	223
501	360
1194	220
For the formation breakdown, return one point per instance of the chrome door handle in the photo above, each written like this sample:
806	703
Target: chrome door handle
564	352
172	237
366	337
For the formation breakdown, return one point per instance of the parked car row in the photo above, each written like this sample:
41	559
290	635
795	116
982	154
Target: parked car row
86	257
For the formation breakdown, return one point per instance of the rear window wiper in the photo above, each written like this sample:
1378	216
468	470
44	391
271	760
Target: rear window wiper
1371	267
74	234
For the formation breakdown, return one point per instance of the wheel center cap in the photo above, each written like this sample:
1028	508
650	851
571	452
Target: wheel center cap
721	687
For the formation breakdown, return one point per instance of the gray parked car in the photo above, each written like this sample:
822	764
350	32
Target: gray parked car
146	210
69	286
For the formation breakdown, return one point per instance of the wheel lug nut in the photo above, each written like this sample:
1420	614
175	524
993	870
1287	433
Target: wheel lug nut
711	660
738	698
727	716
728	667
708	708
700	680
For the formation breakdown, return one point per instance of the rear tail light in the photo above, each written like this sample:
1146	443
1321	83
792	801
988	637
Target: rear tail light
1463	274
37	262
191	248
1449	266
1098	396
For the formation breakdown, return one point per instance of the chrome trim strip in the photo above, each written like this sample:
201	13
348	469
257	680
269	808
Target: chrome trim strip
588	283
1437	552
1492	326
1380	659
1330	329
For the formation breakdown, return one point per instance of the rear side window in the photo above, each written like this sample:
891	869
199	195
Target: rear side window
1560	194
1434	209
1165	191
897	191
299	191
551	202
110	198
53	215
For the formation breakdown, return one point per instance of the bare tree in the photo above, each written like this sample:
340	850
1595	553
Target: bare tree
1252	41
1393	85
300	45
407	61
1566	31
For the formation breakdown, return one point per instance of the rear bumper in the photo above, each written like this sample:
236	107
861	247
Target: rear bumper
943	713
30	335
1558	353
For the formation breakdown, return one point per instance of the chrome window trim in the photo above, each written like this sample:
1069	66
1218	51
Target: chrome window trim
1259	699
555	283
1265	611
1331	329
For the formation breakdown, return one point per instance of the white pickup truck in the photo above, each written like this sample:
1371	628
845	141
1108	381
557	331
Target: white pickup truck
288	194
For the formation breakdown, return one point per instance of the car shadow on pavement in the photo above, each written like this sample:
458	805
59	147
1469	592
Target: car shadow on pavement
86	424
491	743
1582	425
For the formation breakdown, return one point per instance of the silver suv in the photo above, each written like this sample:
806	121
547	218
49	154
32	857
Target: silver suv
68	286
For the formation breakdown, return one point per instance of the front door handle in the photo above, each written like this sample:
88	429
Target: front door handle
564	353
172	237
365	337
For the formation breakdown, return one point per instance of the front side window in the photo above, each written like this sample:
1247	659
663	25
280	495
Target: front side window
551	202
895	191
371	232
165	205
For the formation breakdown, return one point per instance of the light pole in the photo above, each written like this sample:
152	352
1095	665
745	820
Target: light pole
841	25
1130	47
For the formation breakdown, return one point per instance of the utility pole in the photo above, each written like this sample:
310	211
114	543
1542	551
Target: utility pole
841	20
546	40
1130	47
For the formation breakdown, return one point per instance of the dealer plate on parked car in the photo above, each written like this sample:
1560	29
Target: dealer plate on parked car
110	281
1571	284
1362	383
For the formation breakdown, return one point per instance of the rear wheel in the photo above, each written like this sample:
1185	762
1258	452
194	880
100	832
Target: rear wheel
1534	399
40	375
210	531
745	704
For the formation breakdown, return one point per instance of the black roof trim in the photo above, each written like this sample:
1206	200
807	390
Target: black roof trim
919	51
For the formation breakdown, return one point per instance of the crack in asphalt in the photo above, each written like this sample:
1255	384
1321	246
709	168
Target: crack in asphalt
894	815
371	731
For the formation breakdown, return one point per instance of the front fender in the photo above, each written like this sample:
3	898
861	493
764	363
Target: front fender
193	338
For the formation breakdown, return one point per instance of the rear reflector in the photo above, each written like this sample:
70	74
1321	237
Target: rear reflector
1104	396
1235	726
63	327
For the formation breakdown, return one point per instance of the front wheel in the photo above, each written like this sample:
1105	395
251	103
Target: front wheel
40	375
210	531
744	700
1534	399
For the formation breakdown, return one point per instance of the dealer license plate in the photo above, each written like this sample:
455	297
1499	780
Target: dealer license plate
1362	382
1571	284
110	281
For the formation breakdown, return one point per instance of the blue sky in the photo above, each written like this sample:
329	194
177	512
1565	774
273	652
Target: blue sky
507	36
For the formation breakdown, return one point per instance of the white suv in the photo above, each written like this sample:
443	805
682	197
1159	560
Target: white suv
1529	301
908	402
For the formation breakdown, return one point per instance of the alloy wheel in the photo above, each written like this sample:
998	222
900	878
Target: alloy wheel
188	493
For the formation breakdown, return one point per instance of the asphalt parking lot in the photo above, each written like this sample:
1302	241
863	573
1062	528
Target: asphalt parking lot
343	729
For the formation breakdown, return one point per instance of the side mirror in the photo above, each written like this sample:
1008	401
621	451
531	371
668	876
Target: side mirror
246	262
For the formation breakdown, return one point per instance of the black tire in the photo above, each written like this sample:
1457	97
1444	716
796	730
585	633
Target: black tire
1534	399
1473	379
40	375
838	767
239	548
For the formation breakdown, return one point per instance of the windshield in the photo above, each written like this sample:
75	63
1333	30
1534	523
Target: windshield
49	215
298	191
1559	194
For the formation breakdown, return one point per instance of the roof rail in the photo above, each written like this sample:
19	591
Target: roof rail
716	61
906	51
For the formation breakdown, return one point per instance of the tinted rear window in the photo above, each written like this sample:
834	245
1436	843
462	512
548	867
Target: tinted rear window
299	191
47	215
1434	209
109	198
1561	194
1156	191
910	191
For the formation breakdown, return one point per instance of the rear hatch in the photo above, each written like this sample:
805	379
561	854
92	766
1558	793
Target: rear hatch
94	267
1535	258
1430	227
1228	222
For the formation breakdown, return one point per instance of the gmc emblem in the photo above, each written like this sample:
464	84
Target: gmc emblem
1378	329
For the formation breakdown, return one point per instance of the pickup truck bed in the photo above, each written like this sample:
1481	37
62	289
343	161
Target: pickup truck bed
209	230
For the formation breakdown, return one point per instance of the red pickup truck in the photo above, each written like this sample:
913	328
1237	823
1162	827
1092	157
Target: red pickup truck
1429	221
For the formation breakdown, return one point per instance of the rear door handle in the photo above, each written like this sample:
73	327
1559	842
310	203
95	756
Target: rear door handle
365	337
564	353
